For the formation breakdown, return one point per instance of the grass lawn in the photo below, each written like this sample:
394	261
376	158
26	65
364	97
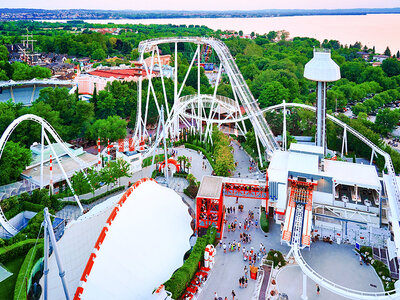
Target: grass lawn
7	286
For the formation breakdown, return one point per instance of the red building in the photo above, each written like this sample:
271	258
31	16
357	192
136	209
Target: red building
209	206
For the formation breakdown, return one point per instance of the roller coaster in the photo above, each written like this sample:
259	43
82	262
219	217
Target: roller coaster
200	112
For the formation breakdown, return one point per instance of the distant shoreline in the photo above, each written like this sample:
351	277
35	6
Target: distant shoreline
24	14
198	17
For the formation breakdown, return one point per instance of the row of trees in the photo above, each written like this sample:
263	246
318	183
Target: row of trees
111	174
223	153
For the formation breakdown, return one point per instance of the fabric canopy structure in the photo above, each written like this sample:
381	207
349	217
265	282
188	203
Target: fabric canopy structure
144	241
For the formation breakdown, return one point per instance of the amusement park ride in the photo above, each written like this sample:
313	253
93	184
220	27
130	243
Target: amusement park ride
199	112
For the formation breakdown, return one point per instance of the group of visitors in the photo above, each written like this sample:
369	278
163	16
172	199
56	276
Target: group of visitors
253	166
226	298
243	282
245	237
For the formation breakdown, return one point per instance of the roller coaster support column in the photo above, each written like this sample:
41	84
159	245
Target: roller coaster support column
46	258
64	173
284	141
41	157
56	251
372	156
164	132
344	142
51	176
176	115
258	149
200	123
304	295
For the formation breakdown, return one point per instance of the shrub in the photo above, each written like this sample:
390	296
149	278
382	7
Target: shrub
34	253
191	191
264	223
277	258
364	249
8	253
182	277
32	207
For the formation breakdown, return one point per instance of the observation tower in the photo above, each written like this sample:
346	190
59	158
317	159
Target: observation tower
321	69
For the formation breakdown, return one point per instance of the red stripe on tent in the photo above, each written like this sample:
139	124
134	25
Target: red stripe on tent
101	238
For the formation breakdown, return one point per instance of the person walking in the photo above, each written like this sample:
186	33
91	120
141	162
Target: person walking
224	248
215	296
318	289
233	295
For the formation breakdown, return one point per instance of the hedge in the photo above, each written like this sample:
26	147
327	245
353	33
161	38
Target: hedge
95	198
183	276
32	206
8	253
26	268
158	158
264	223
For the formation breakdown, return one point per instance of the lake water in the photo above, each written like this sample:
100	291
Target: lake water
371	30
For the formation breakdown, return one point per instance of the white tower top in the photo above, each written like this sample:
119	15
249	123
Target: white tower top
322	67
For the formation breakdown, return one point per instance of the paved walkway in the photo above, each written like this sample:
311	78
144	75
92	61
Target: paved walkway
229	267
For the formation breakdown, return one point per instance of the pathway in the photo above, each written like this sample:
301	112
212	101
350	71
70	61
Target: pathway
229	267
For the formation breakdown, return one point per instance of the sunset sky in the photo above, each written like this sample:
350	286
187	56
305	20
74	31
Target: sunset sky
197	5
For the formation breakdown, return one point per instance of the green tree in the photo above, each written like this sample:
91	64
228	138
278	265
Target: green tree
391	67
387	52
3	53
273	93
120	168
98	54
112	128
14	160
80	183
135	54
387	119
272	35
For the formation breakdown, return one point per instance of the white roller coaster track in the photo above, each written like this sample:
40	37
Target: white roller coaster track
336	288
3	140
238	83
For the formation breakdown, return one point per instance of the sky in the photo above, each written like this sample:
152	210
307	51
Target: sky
198	4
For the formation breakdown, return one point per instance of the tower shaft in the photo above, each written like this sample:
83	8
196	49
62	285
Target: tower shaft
320	114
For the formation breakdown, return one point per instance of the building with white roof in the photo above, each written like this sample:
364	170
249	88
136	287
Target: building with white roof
343	192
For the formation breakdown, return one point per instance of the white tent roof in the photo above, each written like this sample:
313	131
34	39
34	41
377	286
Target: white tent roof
75	247
144	245
350	174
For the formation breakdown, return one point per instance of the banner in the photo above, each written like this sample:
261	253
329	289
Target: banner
121	147
131	145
